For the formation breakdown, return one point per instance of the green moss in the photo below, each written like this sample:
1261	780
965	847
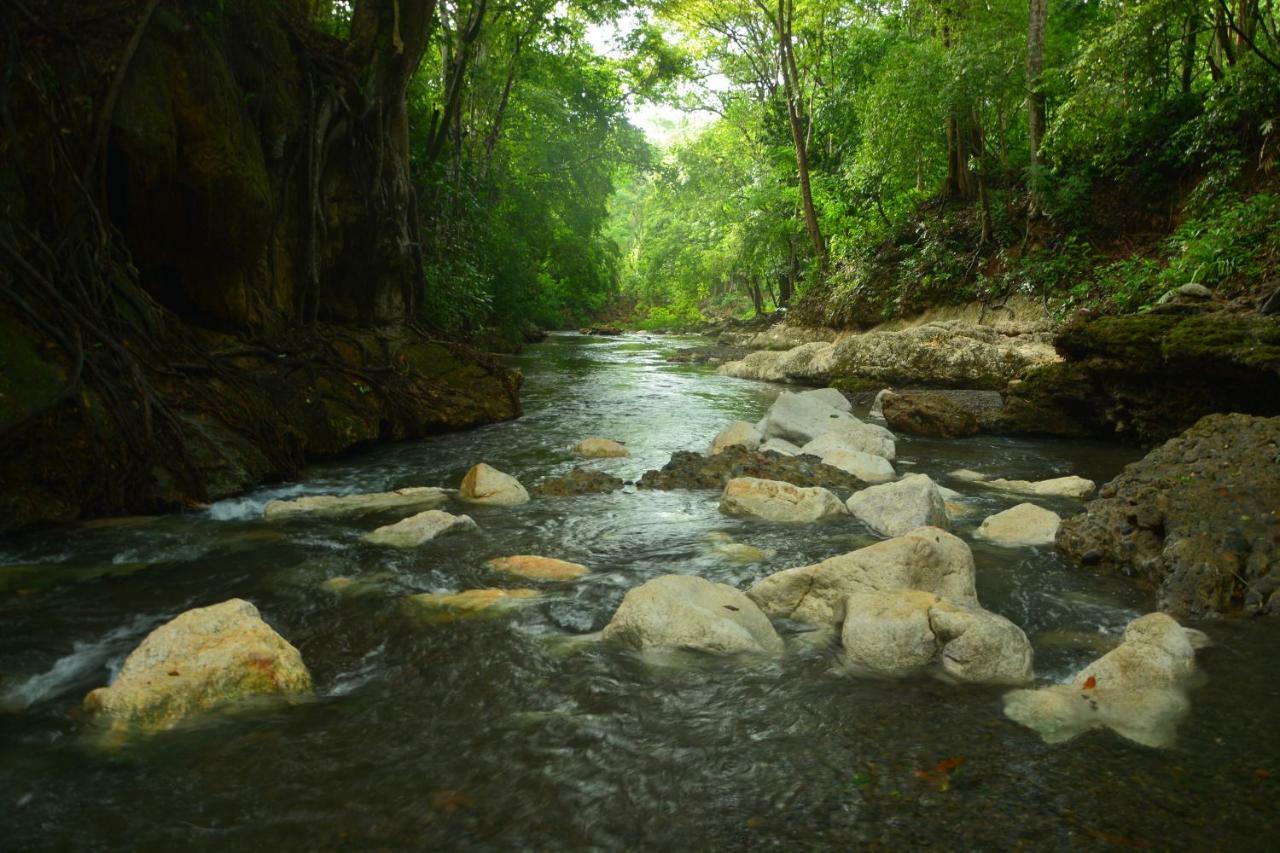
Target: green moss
1133	339
1244	342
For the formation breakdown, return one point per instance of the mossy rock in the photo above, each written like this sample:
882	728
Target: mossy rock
28	382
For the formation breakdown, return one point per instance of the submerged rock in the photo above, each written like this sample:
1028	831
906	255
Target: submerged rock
736	434
1137	689
484	484
893	509
419	529
1060	487
688	470
686	612
771	500
470	604
1024	524
579	481
600	448
1198	519
928	559
538	568
927	415
204	659
424	497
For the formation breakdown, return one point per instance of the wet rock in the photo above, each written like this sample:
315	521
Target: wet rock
771	500
423	497
1137	689
600	448
420	529
877	405
575	617
685	612
579	481
1058	487
928	559
688	470
204	659
1197	519
469	604
893	509
538	568
897	632
928	415
1022	525
736	434
484	484
739	552
947	354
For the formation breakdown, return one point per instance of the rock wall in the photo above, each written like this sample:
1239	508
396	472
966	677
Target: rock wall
208	268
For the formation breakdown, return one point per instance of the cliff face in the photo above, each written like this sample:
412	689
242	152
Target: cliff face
207	267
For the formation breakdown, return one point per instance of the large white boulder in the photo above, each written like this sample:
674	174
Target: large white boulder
419	529
485	484
893	509
1022	525
832	397
1137	689
421	497
773	500
686	612
897	632
736	434
853	434
928	559
800	418
204	659
867	467
781	446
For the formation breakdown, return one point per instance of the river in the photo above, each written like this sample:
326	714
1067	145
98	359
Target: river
506	733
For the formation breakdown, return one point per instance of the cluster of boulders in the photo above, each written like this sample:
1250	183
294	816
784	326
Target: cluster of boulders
216	657
947	354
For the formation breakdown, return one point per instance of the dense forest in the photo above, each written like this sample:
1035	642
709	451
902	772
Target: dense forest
375	193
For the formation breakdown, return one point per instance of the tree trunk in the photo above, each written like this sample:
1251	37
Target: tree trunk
1037	17
796	119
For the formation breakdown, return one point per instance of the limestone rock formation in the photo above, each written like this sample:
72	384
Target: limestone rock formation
419	529
422	497
1022	525
893	509
771	500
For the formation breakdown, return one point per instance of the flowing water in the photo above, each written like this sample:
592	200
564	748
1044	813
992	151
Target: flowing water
508	733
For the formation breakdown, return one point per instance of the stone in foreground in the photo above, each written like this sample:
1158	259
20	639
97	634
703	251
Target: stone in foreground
423	497
927	415
893	509
419	529
485	484
772	500
1024	525
1137	689
686	612
736	434
600	448
538	568
204	659
927	559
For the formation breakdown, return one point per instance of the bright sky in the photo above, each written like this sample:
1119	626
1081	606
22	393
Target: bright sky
663	124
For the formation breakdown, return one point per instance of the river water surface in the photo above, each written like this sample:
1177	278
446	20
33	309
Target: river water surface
507	733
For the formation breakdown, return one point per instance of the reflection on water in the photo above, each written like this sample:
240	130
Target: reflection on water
506	733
